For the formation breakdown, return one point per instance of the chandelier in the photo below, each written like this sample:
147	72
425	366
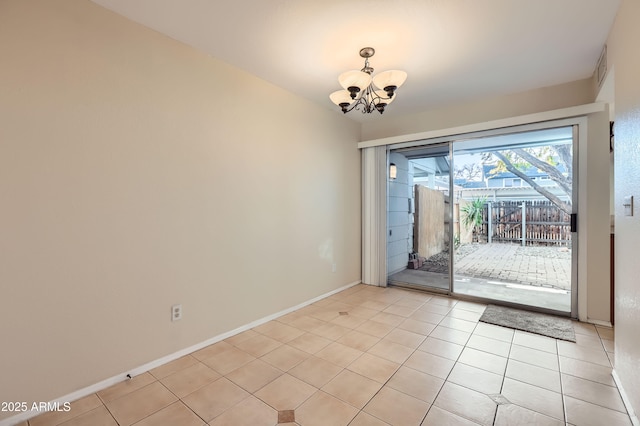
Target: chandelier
366	92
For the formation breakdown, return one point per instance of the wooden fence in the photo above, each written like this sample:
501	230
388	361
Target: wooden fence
430	226
542	221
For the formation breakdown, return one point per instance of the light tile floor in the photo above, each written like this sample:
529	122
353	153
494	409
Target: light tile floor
372	356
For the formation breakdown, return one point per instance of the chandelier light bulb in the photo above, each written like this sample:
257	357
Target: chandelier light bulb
342	98
389	81
354	81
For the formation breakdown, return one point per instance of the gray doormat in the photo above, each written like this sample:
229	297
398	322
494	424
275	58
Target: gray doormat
533	322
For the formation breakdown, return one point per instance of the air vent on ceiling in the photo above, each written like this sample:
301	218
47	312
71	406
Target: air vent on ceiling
601	67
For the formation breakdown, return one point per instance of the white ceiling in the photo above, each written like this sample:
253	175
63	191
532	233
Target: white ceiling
452	50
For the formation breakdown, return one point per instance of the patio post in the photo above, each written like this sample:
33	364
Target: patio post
524	223
489	230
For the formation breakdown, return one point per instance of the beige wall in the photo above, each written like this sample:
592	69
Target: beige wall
623	58
136	173
488	109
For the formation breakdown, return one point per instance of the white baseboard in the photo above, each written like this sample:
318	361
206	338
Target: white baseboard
599	322
625	399
89	390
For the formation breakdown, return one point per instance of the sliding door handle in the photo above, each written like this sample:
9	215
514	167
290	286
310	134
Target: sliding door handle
574	222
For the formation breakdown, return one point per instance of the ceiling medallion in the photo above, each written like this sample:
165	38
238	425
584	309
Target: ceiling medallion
364	91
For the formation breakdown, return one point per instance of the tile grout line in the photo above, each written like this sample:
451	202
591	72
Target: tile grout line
454	364
456	361
471	333
360	410
390	377
400	366
504	376
445	380
564	399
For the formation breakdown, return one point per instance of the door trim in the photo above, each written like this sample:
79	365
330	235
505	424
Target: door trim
477	129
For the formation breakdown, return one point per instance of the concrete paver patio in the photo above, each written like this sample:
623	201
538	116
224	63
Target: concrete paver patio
534	276
531	265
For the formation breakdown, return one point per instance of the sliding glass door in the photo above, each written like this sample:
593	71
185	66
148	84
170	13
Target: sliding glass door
488	218
419	218
514	195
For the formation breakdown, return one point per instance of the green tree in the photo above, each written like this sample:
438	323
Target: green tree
472	212
546	159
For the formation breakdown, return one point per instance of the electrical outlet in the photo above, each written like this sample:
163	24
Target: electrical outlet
333	267
176	312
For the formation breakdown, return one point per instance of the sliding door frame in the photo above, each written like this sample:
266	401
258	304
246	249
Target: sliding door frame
579	116
451	146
